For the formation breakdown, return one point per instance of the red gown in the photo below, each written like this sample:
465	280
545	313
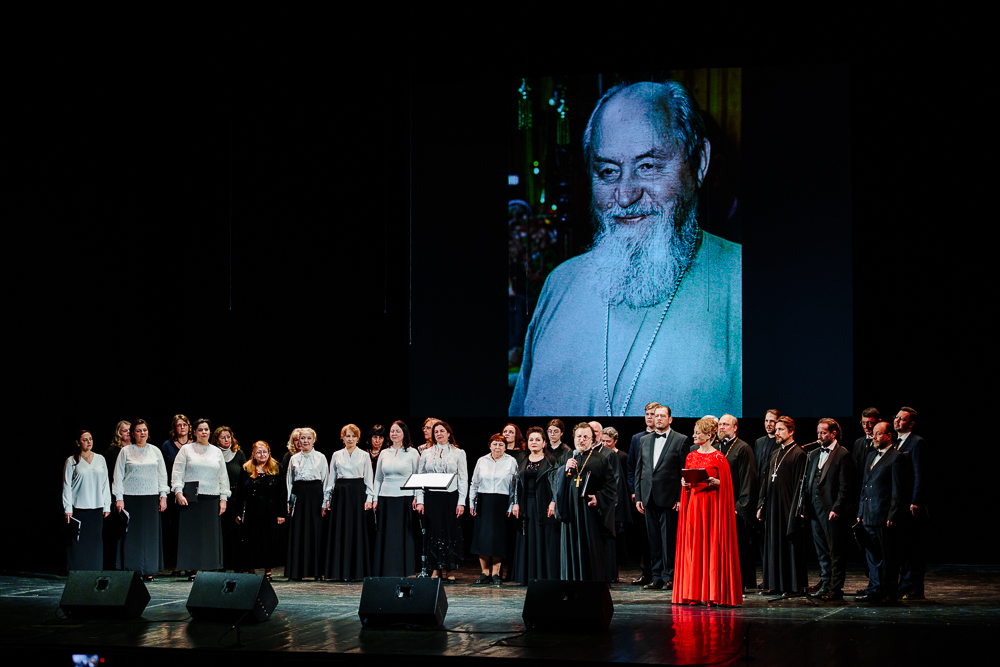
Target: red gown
707	562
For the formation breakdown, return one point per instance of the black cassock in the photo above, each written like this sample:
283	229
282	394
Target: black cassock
584	529
784	541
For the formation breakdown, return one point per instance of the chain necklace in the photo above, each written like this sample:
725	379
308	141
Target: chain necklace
579	470
607	329
774	473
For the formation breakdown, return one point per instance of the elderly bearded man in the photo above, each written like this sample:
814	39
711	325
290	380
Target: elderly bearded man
668	294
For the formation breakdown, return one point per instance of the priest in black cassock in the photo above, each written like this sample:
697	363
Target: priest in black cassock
784	541
762	450
585	506
743	469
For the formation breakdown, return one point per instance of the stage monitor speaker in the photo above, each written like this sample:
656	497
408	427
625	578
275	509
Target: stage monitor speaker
566	605
402	600
104	594
228	597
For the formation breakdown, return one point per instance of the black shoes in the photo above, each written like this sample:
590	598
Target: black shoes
641	581
496	580
654	585
832	596
484	578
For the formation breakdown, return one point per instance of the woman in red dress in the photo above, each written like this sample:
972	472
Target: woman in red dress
707	563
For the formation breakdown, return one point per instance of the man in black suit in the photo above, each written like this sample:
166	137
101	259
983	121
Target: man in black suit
658	493
914	559
743	468
762	450
884	490
865	444
825	498
640	542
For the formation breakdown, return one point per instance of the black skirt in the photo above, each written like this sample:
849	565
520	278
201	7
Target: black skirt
445	548
86	553
305	531
199	535
396	553
347	555
489	536
141	548
537	546
169	521
231	557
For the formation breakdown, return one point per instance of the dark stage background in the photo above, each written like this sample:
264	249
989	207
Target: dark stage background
259	247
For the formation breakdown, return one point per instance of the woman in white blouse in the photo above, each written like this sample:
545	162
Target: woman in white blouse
349	494
395	549
86	501
444	507
490	497
305	479
201	486
140	489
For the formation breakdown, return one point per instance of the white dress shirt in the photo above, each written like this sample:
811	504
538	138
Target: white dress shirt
492	476
394	467
659	442
85	485
303	467
446	458
824	453
140	471
202	464
350	466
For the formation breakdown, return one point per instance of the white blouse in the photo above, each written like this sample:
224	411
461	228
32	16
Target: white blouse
85	485
202	464
140	471
394	467
304	467
493	476
446	458
349	466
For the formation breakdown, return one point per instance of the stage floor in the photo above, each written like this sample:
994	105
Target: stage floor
318	621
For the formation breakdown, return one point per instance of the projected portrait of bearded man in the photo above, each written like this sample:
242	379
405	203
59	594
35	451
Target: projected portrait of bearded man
654	309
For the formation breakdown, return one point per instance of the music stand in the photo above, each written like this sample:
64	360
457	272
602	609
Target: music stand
424	481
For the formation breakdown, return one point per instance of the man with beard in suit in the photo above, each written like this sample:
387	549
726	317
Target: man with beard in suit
785	562
639	542
914	558
658	493
744	473
825	498
885	489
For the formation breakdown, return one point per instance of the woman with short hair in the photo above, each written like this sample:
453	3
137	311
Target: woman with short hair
304	482
490	493
349	491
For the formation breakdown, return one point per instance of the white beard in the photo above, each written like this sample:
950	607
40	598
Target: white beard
637	264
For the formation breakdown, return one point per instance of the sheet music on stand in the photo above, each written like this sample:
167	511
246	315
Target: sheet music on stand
429	480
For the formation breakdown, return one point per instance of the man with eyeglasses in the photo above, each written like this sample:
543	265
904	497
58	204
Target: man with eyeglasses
866	443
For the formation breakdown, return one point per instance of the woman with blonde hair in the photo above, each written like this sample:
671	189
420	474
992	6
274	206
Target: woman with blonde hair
349	494
260	509
707	563
304	482
224	438
293	447
114	525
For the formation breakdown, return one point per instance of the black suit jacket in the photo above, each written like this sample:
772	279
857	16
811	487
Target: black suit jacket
836	483
859	452
885	489
661	483
915	449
